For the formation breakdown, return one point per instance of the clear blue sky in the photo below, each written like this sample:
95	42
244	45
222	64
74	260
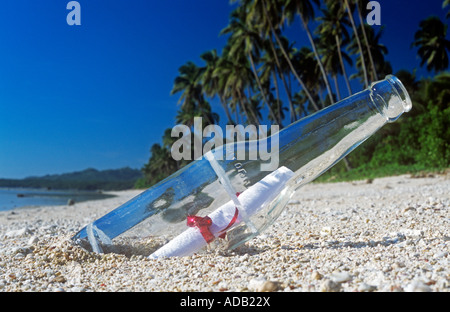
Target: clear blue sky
98	95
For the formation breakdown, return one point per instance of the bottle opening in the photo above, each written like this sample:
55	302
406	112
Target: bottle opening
401	91
391	97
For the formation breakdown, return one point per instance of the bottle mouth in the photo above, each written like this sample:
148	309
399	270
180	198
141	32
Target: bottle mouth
391	98
400	89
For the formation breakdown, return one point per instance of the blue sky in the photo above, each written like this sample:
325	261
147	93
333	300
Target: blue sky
98	95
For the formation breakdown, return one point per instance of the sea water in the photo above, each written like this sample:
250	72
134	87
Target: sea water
11	198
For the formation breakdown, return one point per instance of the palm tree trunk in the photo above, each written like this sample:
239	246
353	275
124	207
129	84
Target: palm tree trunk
258	82
355	31
319	61
344	71
336	85
244	106
319	94
277	67
226	109
207	116
236	113
300	81
252	109
288	93
288	60
275	83
347	163
361	21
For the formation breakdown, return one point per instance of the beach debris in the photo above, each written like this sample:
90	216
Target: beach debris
256	283
316	275
326	231
33	240
341	277
18	233
364	287
330	286
417	286
263	285
269	286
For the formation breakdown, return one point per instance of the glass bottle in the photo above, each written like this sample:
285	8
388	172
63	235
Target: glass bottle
222	184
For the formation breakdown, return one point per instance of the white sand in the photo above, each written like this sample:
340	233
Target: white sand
389	235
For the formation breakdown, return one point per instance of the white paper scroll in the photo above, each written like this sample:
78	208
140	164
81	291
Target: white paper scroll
252	200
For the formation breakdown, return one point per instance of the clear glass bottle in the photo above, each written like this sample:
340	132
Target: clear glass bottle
306	149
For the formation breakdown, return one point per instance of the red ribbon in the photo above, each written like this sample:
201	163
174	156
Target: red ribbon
236	213
203	224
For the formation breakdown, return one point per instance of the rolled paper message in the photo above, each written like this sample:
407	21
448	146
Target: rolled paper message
252	200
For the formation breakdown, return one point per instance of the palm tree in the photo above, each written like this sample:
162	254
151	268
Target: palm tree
363	4
275	71
330	59
278	105
160	164
408	79
245	40
333	28
254	102
210	83
188	83
266	14
285	72
269	72
358	42
309	71
440	89
167	142
187	113
304	9
377	49
234	76
432	44
445	4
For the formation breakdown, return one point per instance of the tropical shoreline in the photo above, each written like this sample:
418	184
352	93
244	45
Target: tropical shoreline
389	234
17	198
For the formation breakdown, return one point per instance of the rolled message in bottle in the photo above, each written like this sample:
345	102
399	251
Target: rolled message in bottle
252	200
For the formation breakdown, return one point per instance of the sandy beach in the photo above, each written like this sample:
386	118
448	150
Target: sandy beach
386	235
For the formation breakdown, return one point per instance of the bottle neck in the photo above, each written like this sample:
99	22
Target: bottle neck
315	143
390	98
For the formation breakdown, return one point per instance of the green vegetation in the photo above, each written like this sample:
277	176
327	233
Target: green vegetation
262	77
89	179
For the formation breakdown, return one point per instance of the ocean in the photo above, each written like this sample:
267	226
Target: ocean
11	198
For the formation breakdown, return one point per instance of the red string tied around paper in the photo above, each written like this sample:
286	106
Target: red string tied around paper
233	221
203	224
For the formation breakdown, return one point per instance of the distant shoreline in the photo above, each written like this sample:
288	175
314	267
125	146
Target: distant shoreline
86	180
13	198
